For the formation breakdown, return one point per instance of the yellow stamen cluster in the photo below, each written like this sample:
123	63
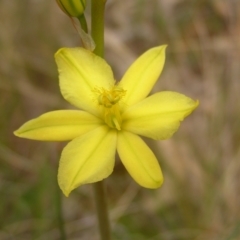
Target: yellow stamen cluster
109	99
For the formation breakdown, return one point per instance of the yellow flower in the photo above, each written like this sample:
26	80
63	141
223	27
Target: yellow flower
112	116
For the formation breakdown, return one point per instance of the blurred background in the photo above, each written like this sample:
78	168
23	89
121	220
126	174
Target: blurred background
200	198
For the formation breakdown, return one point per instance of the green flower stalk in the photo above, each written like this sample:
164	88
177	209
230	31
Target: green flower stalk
112	116
73	8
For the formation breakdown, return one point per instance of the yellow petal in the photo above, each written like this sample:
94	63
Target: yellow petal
139	160
159	115
140	78
87	159
80	71
58	125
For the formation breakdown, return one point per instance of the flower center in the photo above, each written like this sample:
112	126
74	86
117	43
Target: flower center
109	100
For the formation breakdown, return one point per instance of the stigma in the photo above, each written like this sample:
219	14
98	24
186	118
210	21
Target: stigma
108	100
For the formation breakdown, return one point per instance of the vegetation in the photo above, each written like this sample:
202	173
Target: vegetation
200	197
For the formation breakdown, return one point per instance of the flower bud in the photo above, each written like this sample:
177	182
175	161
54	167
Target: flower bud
73	8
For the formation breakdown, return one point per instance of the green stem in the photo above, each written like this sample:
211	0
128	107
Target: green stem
98	7
102	212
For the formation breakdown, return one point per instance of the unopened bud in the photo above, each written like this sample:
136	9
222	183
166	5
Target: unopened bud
73	8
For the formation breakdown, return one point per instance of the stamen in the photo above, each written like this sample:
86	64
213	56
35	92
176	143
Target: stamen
116	124
109	100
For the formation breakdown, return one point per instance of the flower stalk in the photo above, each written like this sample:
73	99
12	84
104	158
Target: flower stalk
97	24
102	212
